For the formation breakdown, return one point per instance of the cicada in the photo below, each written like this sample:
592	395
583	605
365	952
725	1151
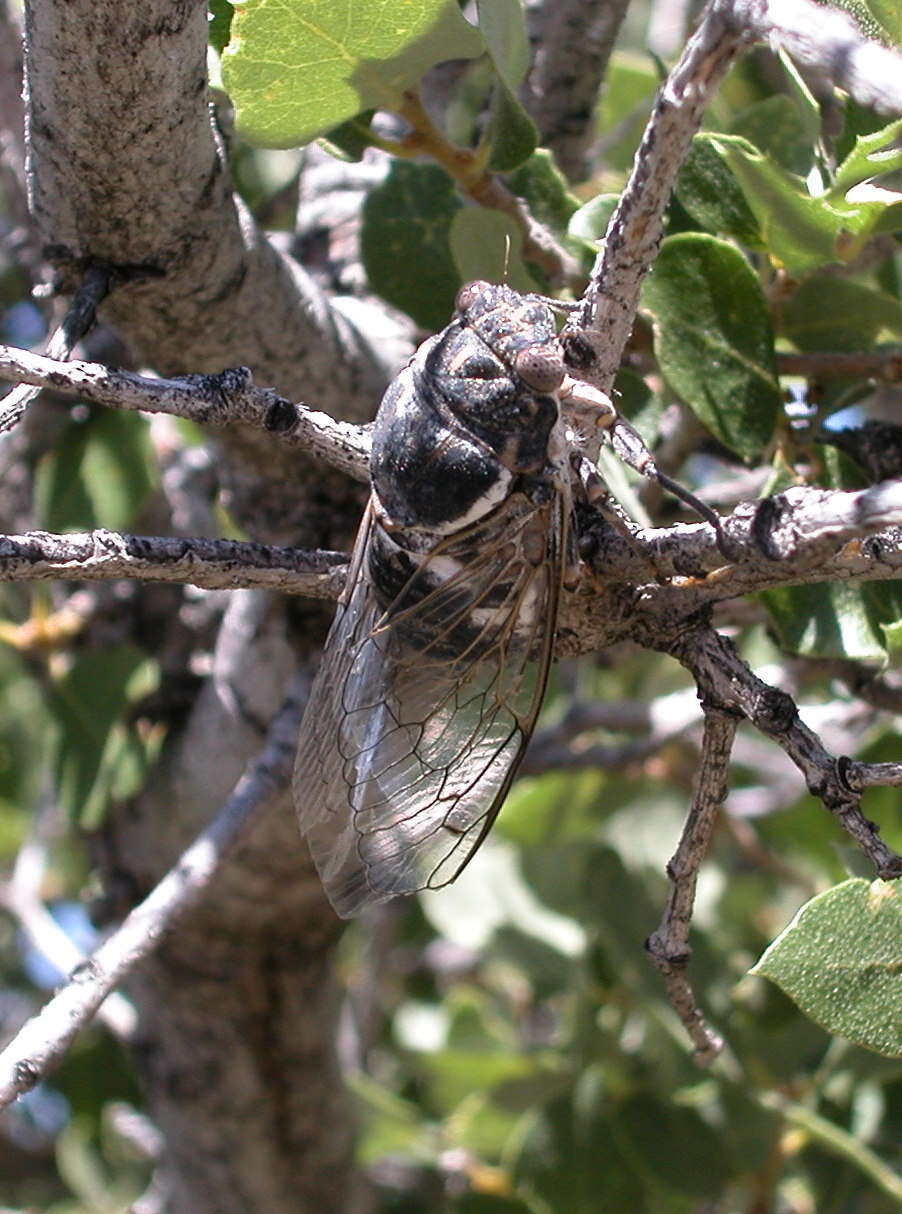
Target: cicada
436	664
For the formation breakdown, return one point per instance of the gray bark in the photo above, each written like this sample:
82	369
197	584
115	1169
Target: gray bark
236	1012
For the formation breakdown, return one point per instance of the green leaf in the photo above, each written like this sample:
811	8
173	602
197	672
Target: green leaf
591	221
807	105
492	1203
392	1126
827	620
404	242
878	19
630	86
487	244
544	187
512	134
801	232
100	474
502	24
829	312
673	1147
570	1159
453	1075
713	339
888	16
873	154
219	23
713	196
351	139
840	960
87	703
776	127
297	68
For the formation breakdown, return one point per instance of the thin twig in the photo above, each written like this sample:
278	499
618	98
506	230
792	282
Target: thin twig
669	945
20	896
211	564
79	320
43	1041
228	398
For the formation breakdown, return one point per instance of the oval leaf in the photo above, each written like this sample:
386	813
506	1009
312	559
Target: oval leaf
712	195
840	960
713	339
404	242
297	68
827	620
487	244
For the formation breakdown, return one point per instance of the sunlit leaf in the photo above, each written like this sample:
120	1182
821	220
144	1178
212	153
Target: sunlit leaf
875	153
802	231
713	339
297	68
827	620
840	960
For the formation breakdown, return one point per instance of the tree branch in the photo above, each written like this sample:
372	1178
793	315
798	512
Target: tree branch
799	537
634	231
211	564
225	399
43	1041
669	945
827	41
573	40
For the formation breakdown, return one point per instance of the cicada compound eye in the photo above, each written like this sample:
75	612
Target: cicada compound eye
469	293
540	367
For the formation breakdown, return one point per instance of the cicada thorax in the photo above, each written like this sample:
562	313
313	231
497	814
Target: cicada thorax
465	469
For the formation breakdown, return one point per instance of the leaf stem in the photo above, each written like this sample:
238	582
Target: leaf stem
468	168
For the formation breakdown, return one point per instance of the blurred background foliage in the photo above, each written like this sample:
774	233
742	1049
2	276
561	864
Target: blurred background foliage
508	1043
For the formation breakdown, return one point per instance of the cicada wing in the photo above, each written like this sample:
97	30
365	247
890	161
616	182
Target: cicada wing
420	714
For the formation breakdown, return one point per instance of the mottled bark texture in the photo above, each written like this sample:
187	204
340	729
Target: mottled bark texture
573	40
127	168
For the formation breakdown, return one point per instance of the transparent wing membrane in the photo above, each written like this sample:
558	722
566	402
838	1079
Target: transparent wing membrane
421	711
